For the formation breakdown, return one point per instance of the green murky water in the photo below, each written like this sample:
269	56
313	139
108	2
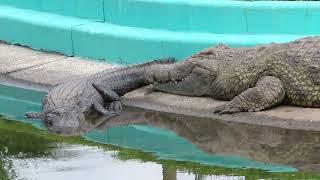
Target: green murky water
150	145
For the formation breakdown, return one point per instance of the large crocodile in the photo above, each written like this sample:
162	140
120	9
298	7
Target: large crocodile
251	78
68	104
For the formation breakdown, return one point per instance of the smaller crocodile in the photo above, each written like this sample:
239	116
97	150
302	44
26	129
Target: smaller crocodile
68	104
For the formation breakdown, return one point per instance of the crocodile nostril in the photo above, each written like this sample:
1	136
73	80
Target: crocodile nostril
49	116
49	122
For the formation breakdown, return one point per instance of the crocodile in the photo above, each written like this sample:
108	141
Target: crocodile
250	79
97	97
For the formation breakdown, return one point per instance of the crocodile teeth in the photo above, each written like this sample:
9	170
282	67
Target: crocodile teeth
179	80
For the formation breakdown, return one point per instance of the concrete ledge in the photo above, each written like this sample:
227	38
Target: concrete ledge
15	58
31	68
283	116
60	71
66	69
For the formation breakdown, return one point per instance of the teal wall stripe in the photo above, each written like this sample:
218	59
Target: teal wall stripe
127	31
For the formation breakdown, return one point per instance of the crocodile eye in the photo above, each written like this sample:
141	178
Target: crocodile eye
55	113
86	112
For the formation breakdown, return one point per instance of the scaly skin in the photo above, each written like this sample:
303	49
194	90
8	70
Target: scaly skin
67	105
251	79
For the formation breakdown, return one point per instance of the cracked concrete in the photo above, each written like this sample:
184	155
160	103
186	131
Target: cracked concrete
34	69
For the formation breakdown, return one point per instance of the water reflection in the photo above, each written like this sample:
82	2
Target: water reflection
98	164
29	153
203	141
296	148
81	162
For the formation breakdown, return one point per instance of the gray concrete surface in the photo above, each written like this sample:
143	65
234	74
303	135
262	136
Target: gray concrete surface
60	71
14	58
33	69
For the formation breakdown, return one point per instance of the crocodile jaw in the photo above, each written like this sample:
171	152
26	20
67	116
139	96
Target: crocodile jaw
197	83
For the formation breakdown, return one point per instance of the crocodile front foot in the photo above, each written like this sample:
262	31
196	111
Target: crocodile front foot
227	108
113	106
268	92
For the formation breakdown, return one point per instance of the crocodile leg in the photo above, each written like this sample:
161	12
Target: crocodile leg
268	92
107	93
104	112
112	98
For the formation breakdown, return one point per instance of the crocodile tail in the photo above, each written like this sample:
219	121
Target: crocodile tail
135	67
168	60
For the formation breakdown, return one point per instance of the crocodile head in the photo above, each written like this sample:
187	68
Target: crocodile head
71	121
58	119
62	121
182	78
65	112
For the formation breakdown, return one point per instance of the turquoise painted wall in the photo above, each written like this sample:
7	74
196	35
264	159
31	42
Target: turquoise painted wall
91	9
216	16
187	15
129	31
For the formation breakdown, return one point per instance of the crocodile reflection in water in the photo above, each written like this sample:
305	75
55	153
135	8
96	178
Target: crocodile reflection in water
296	148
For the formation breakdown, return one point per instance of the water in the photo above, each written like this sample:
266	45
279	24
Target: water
151	145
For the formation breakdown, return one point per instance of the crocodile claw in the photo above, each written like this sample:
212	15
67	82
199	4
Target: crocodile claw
115	106
226	109
32	115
